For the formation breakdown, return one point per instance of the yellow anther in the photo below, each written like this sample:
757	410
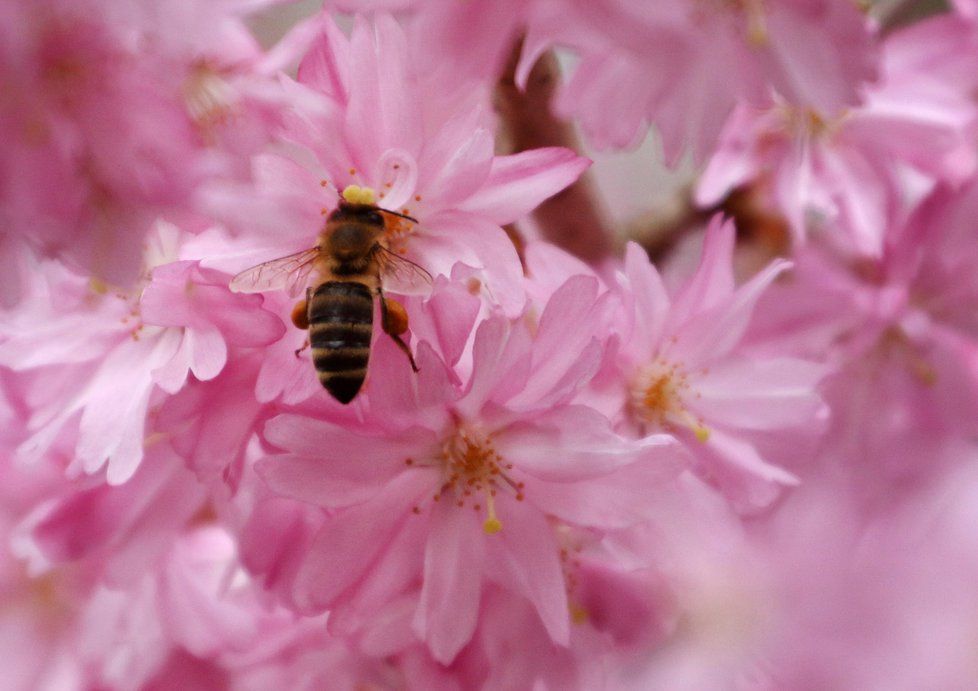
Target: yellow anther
579	615
355	194
702	433
491	526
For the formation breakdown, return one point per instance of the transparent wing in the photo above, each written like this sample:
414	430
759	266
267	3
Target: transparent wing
401	274
289	273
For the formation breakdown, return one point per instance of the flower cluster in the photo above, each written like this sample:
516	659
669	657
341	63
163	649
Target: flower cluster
739	453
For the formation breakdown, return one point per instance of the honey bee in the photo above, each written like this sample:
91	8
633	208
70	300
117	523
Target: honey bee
342	274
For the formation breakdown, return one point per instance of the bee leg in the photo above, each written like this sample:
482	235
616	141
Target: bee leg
395	322
300	314
304	346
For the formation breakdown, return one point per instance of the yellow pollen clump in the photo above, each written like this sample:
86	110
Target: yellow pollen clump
355	194
659	393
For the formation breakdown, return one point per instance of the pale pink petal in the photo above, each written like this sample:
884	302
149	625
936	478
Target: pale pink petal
209	352
452	311
524	556
734	161
328	442
451	238
383	590
570	443
172	375
457	161
819	54
449	608
349	541
501	362
713	280
112	426
333	482
383	111
651	302
618	500
716	332
519	182
759	394
327	63
563	359
739	456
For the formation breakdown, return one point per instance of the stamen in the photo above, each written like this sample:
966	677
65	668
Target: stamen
472	470
659	396
492	524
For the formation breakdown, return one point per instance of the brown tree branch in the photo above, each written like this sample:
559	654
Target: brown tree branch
571	219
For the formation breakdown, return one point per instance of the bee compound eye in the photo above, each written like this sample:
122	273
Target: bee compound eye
374	218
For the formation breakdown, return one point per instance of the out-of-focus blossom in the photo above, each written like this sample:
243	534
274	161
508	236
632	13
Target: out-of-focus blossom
843	175
116	112
823	596
686	64
901	332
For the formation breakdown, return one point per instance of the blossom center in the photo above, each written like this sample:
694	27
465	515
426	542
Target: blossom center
659	394
208	96
474	473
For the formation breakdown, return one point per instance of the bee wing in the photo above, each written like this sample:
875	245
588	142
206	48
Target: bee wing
285	273
403	275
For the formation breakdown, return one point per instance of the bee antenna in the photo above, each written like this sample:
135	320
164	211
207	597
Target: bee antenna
395	213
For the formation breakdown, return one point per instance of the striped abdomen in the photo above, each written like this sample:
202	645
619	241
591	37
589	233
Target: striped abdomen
341	316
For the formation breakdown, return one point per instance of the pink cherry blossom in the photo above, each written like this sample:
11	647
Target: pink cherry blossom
843	176
427	454
813	54
901	332
695	466
380	123
685	374
108	344
117	112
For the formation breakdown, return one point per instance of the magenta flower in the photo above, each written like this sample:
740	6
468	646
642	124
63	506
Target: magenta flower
471	471
687	376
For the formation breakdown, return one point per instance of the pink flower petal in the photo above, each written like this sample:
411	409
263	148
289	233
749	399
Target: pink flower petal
525	558
209	353
329	443
651	302
449	606
519	182
760	394
716	332
501	361
570	443
614	501
713	280
349	541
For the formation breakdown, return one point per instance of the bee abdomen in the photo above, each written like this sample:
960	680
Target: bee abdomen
340	325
